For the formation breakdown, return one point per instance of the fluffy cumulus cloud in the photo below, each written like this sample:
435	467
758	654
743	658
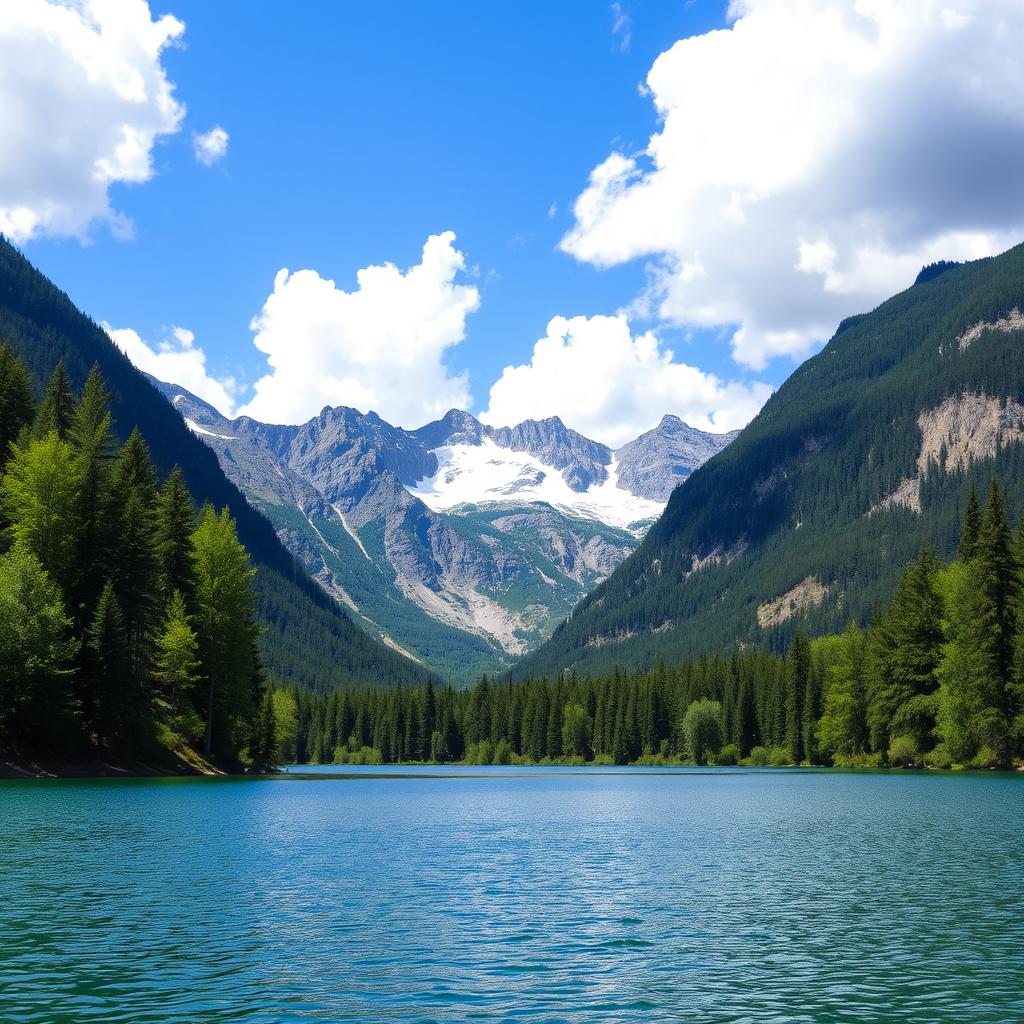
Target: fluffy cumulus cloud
380	347
177	360
612	385
83	99
810	158
211	147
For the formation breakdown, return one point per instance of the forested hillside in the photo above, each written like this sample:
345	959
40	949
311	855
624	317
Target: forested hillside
127	616
937	679
806	521
309	639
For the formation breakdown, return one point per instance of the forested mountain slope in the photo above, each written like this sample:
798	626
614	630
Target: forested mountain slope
309	638
863	456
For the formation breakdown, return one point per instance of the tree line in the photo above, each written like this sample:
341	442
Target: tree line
936	678
127	621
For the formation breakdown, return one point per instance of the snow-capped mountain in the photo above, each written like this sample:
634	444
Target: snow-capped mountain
459	543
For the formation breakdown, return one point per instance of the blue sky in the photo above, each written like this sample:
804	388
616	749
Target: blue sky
356	131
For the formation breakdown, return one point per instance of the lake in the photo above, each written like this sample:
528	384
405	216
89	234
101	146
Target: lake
514	894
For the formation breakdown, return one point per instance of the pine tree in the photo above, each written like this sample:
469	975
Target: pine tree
176	668
56	410
905	650
225	624
799	668
114	707
91	436
263	749
175	523
134	565
16	403
971	527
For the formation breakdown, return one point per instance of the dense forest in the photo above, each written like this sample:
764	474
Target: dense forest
936	679
127	616
309	638
806	489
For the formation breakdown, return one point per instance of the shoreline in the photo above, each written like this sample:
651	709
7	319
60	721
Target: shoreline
47	767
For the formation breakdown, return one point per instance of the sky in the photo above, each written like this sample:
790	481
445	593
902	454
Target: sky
606	212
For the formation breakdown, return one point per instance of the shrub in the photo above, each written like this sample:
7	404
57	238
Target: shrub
939	757
986	757
903	752
759	757
503	752
779	757
729	754
862	760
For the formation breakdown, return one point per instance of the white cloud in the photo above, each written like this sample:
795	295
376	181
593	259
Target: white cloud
381	346
612	385
83	99
176	360
811	158
211	147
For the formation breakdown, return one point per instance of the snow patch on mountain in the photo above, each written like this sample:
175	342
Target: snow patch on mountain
196	429
475	474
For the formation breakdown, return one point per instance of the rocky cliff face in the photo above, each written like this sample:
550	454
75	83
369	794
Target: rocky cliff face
460	544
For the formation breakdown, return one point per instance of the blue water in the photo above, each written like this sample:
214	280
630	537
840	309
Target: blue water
512	895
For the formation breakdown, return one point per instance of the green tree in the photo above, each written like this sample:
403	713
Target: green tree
905	653
263	748
971	527
842	728
92	438
702	728
40	494
16	404
286	727
115	698
577	730
135	569
56	410
798	662
35	648
225	623
175	523
176	668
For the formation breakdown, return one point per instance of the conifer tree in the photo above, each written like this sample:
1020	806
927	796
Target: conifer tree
799	668
225	624
134	565
176	668
56	410
906	649
263	749
115	702
91	436
16	402
175	523
970	527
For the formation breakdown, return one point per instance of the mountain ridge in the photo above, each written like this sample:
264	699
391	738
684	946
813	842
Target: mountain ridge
396	524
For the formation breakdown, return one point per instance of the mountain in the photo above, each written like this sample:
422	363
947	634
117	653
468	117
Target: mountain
309	639
459	544
807	519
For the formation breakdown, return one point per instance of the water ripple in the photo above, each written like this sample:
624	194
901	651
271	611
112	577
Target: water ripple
737	898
